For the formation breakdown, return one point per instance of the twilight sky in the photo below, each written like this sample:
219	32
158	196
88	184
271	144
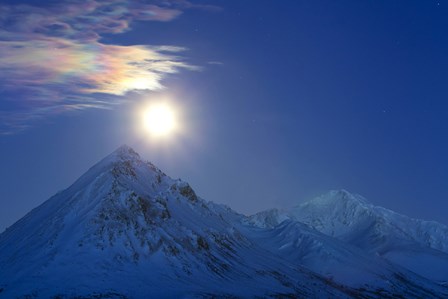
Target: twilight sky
278	101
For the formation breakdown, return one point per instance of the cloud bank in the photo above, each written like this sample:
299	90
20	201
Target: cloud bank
53	60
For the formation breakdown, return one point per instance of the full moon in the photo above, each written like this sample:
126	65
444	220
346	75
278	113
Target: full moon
160	120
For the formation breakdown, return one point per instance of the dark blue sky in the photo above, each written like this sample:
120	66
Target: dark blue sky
293	98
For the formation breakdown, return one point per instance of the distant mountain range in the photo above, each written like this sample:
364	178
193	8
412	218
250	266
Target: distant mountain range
126	230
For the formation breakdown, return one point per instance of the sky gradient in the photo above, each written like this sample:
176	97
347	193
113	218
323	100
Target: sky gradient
280	100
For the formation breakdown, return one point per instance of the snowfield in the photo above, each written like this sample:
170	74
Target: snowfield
127	230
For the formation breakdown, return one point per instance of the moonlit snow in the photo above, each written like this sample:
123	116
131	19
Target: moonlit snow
127	230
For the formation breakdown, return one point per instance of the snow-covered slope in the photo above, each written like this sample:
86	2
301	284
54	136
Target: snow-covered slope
342	263
420	246
126	230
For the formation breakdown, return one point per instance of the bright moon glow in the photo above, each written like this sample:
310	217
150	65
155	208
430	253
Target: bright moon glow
160	120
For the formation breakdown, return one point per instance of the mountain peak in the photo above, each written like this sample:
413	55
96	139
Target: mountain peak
123	163
125	152
337	197
125	218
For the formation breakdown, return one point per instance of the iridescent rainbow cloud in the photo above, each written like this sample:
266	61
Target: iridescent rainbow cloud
54	59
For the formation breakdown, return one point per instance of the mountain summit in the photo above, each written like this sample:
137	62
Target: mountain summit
125	229
418	245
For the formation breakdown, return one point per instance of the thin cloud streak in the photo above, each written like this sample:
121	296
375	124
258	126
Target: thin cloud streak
53	59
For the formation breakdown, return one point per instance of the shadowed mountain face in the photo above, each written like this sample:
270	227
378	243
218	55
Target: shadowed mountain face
126	230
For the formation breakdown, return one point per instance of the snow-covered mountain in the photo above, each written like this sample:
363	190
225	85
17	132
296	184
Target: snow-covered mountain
126	230
420	246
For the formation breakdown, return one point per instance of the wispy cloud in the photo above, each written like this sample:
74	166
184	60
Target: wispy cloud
53	60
